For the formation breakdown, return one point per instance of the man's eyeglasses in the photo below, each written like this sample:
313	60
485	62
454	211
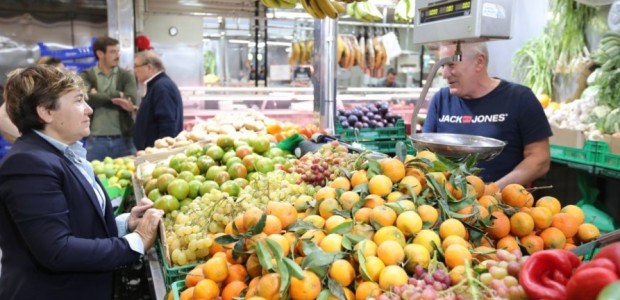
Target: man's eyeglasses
142	65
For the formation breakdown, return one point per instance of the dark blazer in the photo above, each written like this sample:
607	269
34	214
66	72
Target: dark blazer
56	243
160	113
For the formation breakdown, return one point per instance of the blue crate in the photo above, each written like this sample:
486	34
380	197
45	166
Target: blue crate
79	66
4	147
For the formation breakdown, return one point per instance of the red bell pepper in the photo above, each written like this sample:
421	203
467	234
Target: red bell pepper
545	274
611	252
590	278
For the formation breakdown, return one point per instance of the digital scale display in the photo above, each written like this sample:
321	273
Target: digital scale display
445	11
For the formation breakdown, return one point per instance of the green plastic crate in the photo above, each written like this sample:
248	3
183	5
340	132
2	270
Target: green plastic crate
117	195
177	287
606	159
585	156
398	132
387	147
172	274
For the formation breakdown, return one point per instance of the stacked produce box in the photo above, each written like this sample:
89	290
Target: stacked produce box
246	219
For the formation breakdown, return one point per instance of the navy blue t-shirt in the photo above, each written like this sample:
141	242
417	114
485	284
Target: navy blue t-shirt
510	113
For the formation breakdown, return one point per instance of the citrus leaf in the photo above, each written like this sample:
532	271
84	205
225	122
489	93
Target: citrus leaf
362	264
354	238
361	188
309	246
276	249
342	228
346	244
300	225
227	239
264	258
285	278
401	151
294	269
258	227
324	295
321	259
342	213
335	288
374	168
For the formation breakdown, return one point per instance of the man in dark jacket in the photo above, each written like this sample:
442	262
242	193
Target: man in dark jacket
161	110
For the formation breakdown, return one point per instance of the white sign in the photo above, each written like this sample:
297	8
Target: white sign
280	72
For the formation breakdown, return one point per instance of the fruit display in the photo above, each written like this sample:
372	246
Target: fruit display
377	115
342	225
404	11
116	171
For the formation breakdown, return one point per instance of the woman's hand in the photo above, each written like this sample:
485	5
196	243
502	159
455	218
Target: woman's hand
137	212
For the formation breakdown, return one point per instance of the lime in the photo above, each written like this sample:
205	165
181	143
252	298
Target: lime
163	180
231	188
194	188
167	203
215	152
207	186
186	175
237	170
176	161
178	188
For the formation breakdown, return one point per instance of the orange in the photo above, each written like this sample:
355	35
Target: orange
380	185
368	248
272	225
373	201
331	243
253	267
516	195
542	217
341	183
567	223
251	217
284	211
521	224
491	189
348	295
393	196
391	253
410	182
252	290
392	168
367	289
454	239
274	128
409	222
359	177
239	223
236	272
552	203
333	221
206	289
477	183
569	246
389	233
327	207
488	201
532	243
427	238
500	227
316	236
233	290
348	199
383	215
307	288
416	255
194	276
575	211
392	276
374	266
457	274
269	286
508	242
187	294
315	220
216	269
363	214
452	227
428	214
324	193
553	238
457	255
282	241
587	232
342	271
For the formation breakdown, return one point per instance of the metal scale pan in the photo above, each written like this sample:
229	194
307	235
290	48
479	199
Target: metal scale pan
458	146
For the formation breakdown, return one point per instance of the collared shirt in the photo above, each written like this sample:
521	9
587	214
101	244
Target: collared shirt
76	153
105	119
144	85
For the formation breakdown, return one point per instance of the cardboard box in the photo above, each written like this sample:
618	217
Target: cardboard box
567	137
613	142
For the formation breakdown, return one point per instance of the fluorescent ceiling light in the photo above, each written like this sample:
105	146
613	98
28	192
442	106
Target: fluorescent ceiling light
238	42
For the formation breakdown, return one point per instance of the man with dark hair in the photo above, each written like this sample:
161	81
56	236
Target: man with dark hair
161	110
390	80
112	93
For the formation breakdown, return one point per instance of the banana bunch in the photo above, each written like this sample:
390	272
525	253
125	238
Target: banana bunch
380	57
608	53
279	3
364	11
301	52
404	11
349	52
320	9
